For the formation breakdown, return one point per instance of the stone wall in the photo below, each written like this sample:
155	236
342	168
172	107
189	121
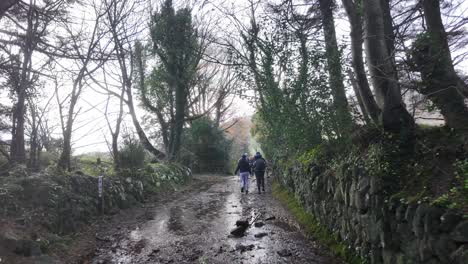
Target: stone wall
61	203
354	205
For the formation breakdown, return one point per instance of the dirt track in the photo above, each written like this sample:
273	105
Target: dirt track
193	226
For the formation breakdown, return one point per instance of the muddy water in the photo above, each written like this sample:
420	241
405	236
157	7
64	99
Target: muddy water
194	227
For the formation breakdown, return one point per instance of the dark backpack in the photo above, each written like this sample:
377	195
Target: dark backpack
260	164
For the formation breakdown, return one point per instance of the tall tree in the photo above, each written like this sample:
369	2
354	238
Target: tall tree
90	50
5	5
176	45
433	60
28	36
394	116
334	64
120	17
364	92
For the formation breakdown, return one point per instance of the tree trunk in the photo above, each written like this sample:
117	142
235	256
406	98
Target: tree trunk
177	129
357	91
5	5
362	85
433	60
334	66
65	157
141	82
394	116
18	152
141	134
34	144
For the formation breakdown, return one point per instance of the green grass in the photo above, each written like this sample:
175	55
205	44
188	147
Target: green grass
312	226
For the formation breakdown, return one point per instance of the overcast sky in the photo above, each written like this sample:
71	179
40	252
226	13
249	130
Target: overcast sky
91	129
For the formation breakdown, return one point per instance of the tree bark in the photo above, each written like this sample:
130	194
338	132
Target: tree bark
141	82
394	116
18	152
369	106
64	161
141	134
334	66
433	60
359	98
5	5
180	105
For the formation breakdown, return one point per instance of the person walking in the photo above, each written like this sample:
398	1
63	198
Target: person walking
259	167
243	167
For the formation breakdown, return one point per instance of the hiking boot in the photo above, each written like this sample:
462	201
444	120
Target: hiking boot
263	190
242	189
246	191
259	191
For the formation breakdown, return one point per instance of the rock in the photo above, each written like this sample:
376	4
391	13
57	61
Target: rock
284	253
259	224
400	212
388	256
418	220
239	231
242	248
432	220
449	220
460	256
28	248
260	235
460	233
270	218
425	250
443	247
243	223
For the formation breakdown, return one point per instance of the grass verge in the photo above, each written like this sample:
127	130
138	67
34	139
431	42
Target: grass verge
312	226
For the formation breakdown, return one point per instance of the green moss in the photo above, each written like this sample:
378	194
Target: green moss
313	227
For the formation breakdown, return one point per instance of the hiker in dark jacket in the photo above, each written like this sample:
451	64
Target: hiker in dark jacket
259	167
243	167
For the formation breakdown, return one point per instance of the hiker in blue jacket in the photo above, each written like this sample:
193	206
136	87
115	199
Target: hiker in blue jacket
259	167
243	167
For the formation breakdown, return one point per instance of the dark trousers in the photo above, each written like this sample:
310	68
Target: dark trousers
260	175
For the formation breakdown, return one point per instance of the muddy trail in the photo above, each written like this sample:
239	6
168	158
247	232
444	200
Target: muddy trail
193	226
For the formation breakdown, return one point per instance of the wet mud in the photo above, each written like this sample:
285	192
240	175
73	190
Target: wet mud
194	225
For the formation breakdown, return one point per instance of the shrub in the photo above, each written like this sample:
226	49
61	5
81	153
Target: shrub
132	153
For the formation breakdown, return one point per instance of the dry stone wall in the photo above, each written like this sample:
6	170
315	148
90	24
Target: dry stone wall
354	205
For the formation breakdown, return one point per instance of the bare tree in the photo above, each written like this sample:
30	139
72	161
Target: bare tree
5	5
433	60
25	33
361	85
395	117
334	63
91	56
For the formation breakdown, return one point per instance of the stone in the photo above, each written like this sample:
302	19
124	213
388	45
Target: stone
418	220
442	247
260	235
28	248
432	220
239	231
243	223
449	220
425	250
259	224
400	212
284	253
460	256
409	214
388	256
460	233
242	248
